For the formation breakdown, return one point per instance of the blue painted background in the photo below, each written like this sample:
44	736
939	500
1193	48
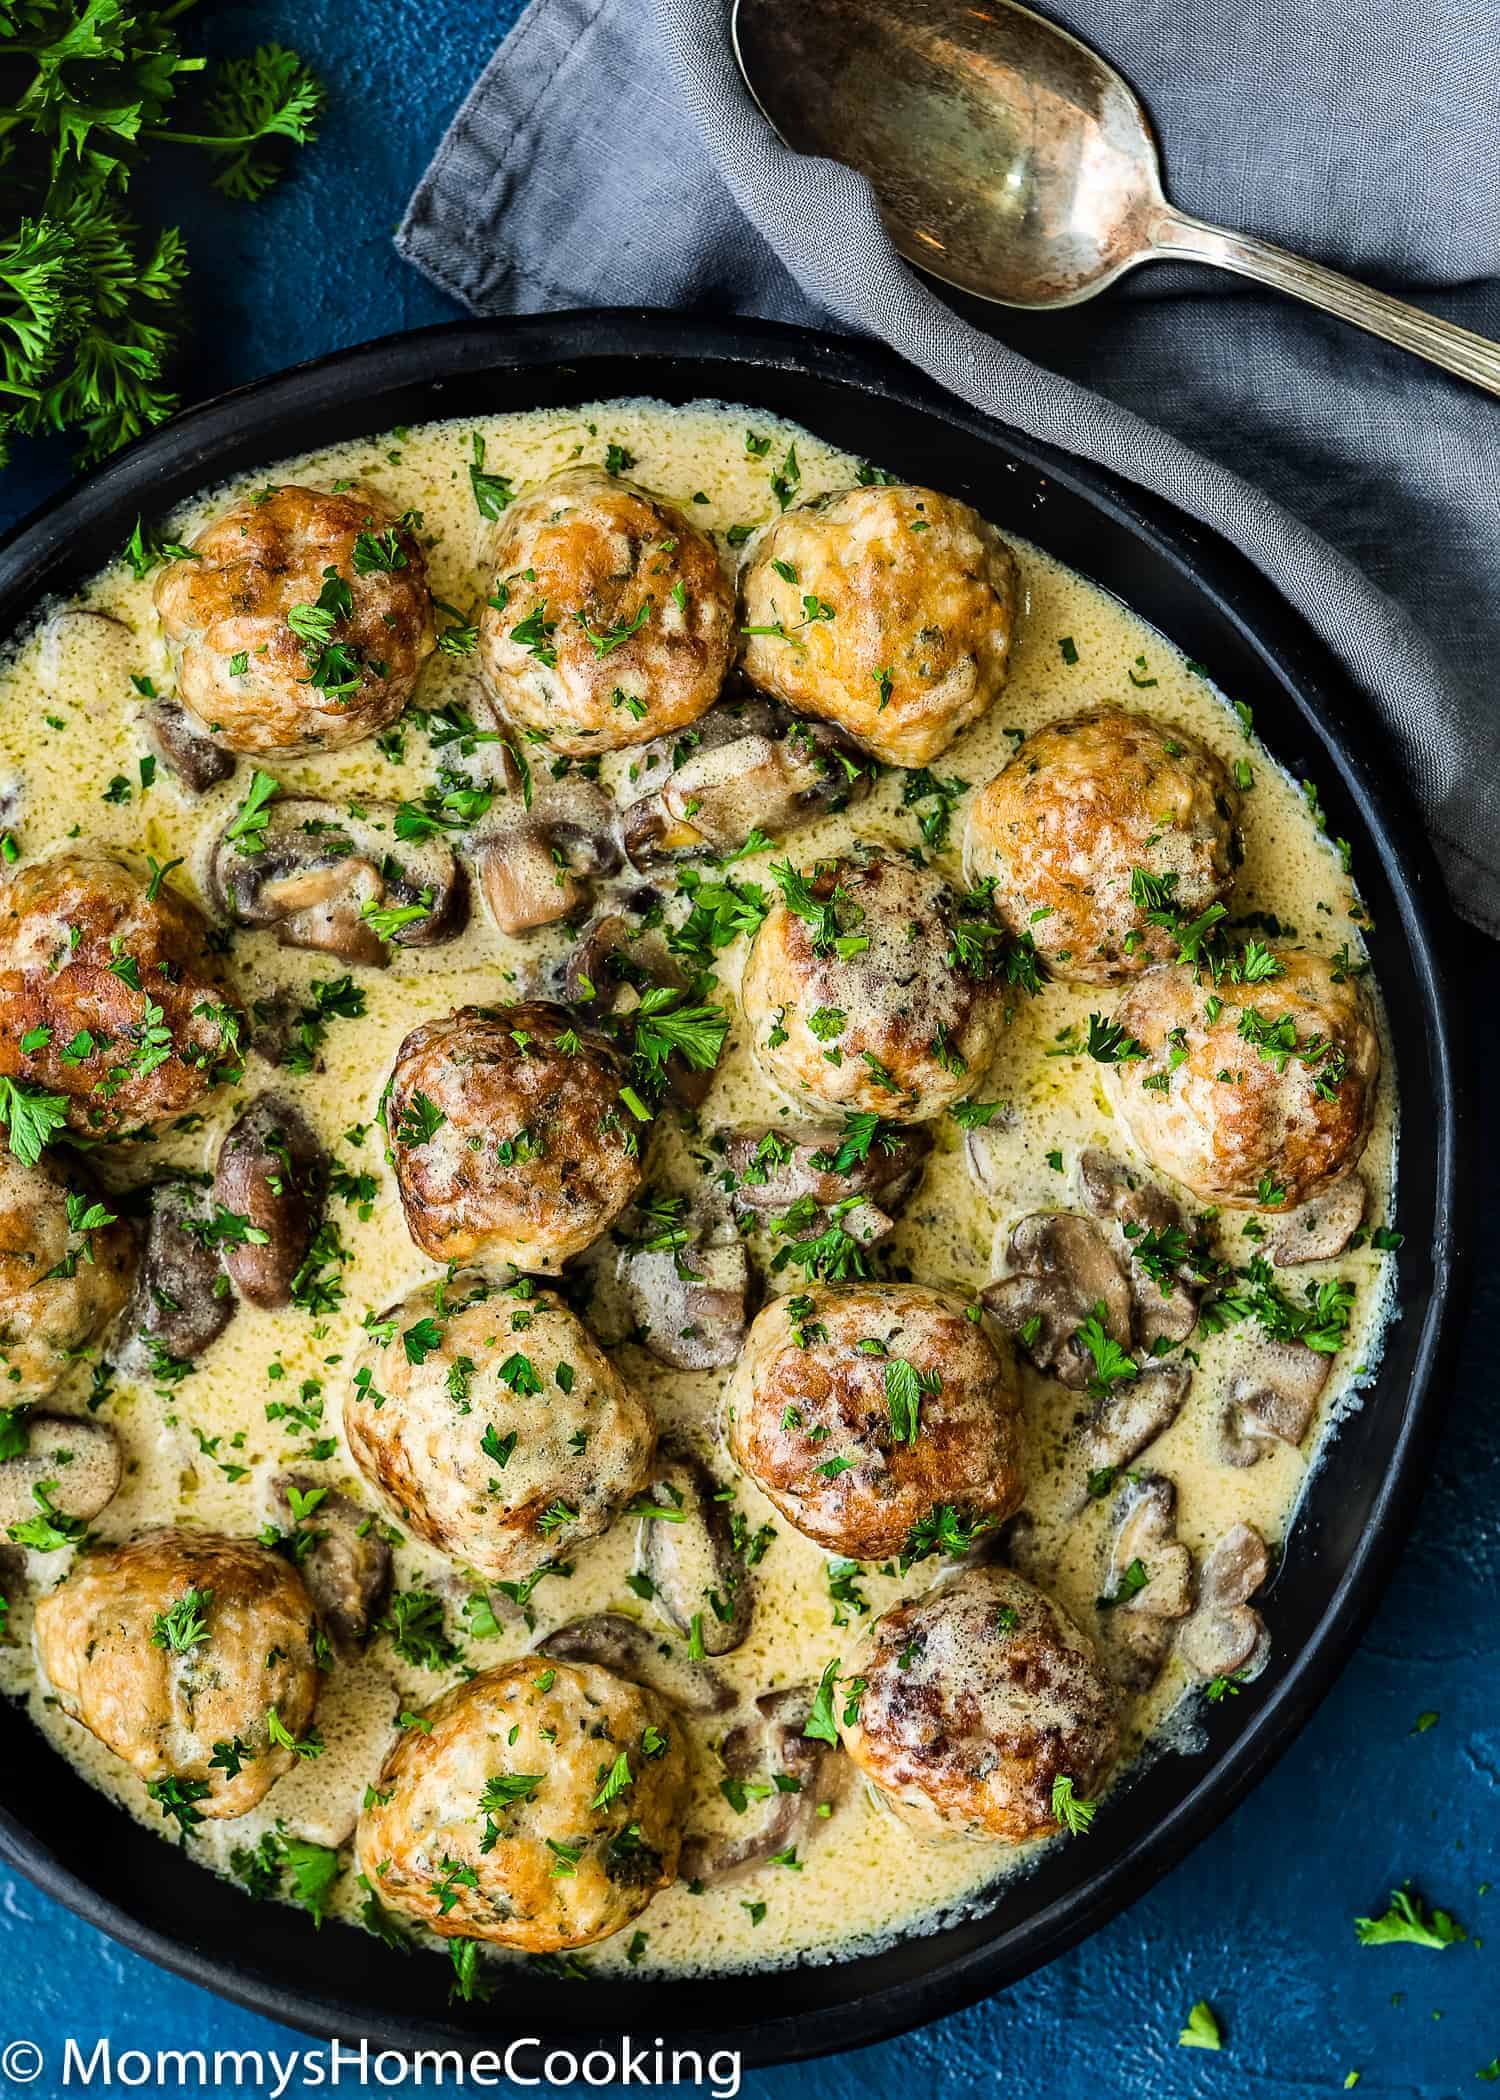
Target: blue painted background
1258	1921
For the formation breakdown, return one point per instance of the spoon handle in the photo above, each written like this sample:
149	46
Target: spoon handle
1176	237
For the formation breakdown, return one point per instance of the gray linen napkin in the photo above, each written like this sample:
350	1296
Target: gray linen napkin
610	155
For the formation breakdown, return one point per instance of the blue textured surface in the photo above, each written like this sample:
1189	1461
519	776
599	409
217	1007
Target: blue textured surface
1258	1920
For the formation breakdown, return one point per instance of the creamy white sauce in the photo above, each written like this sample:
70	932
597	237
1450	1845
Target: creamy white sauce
202	1453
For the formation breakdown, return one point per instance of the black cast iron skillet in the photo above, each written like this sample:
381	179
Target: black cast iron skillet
1207	599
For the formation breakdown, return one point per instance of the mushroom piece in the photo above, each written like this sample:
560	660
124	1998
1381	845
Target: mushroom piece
182	1299
1166	1292
1320	1229
334	882
617	957
686	1277
358	1718
687	1552
272	1174
774	1168
1222	1635
1271	1400
744	767
77	1462
538	846
1139	1610
794	1777
1062	1271
1134	1414
347	1567
194	760
626	1647
984	1154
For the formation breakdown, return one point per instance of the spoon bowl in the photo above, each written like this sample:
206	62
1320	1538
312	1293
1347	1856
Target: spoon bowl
1008	159
1011	161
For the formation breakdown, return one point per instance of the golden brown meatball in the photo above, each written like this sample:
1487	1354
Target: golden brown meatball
853	1000
493	1426
63	1278
543	1808
509	1137
1257	1095
1095	823
113	991
302	622
614	621
975	1700
184	1652
887	610
860	1411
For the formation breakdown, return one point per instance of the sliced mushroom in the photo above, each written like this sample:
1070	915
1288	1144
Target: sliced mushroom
686	1277
182	1299
1062	1270
1271	1400
273	1174
317	873
745	766
1319	1230
539	845
79	1461
1134	1415
1222	1635
769	1750
347	1568
773	1168
985	1154
192	758
1137	1624
616	958
698	1578
1165	1302
630	1650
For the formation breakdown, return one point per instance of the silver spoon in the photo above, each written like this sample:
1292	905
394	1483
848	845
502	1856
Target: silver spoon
1011	161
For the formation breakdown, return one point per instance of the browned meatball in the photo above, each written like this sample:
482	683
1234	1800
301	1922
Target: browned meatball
64	1275
177	1649
494	1427
301	622
541	1809
860	1411
509	1137
611	620
856	1001
1258	1095
971	1703
1096	823
114	990
887	610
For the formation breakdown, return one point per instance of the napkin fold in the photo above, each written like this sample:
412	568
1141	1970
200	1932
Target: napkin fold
609	155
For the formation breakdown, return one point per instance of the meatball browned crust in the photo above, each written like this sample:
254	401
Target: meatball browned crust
859	1411
300	620
970	1704
63	1279
114	990
1256	1095
509	1137
540	1806
493	1426
856	1000
610	619
887	610
170	1685
1095	823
